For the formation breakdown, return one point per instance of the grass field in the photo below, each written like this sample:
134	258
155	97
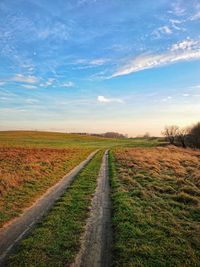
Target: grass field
155	193
31	162
56	240
26	173
156	207
63	140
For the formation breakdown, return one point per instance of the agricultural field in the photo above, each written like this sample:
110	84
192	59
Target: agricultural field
31	162
154	190
156	206
64	140
57	238
26	173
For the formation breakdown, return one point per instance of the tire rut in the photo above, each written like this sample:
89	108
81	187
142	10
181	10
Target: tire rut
97	240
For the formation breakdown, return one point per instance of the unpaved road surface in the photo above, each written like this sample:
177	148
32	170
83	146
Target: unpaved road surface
14	232
96	243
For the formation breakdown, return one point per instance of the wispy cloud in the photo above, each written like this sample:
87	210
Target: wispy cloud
162	30
68	84
187	44
98	61
12	110
166	99
182	51
29	86
48	82
103	99
186	95
90	63
24	79
195	16
172	26
178	9
32	101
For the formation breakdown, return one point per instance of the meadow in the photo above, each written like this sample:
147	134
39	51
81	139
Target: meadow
31	162
155	194
156	206
65	140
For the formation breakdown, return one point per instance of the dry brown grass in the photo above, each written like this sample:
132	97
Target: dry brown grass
156	206
26	173
19	165
163	163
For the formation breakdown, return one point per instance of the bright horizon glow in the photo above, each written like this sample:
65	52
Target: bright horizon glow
97	66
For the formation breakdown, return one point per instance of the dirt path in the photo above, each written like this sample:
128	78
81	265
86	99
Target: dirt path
96	243
15	231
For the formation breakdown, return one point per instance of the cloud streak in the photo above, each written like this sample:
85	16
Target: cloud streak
184	51
68	84
103	99
25	79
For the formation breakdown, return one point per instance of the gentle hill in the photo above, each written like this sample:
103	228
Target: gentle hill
62	140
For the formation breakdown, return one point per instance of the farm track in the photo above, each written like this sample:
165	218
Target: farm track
97	240
11	234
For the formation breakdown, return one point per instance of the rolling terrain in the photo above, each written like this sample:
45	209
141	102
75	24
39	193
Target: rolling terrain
154	192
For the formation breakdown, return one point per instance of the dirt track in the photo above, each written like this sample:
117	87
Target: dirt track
14	232
96	242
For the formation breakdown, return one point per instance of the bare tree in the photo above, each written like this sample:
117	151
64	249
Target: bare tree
170	133
181	136
194	134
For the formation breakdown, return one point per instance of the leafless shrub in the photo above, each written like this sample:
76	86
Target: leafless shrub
181	136
170	133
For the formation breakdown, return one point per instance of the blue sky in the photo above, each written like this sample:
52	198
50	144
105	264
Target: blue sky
97	65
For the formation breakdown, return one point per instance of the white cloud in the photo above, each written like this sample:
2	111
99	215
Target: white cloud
103	99
98	62
48	82
187	44
166	99
183	51
174	25
185	95
68	84
29	86
162	31
165	29
25	79
90	63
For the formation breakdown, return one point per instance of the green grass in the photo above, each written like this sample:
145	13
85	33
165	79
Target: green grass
155	224
56	240
63	140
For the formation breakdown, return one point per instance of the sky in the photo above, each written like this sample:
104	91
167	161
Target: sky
131	66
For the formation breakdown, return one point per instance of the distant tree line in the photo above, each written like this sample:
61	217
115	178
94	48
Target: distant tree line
185	137
106	135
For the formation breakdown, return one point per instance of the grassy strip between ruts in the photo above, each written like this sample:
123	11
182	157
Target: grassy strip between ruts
152	226
56	240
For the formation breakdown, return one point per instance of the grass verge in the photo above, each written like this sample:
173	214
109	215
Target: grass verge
56	240
156	213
